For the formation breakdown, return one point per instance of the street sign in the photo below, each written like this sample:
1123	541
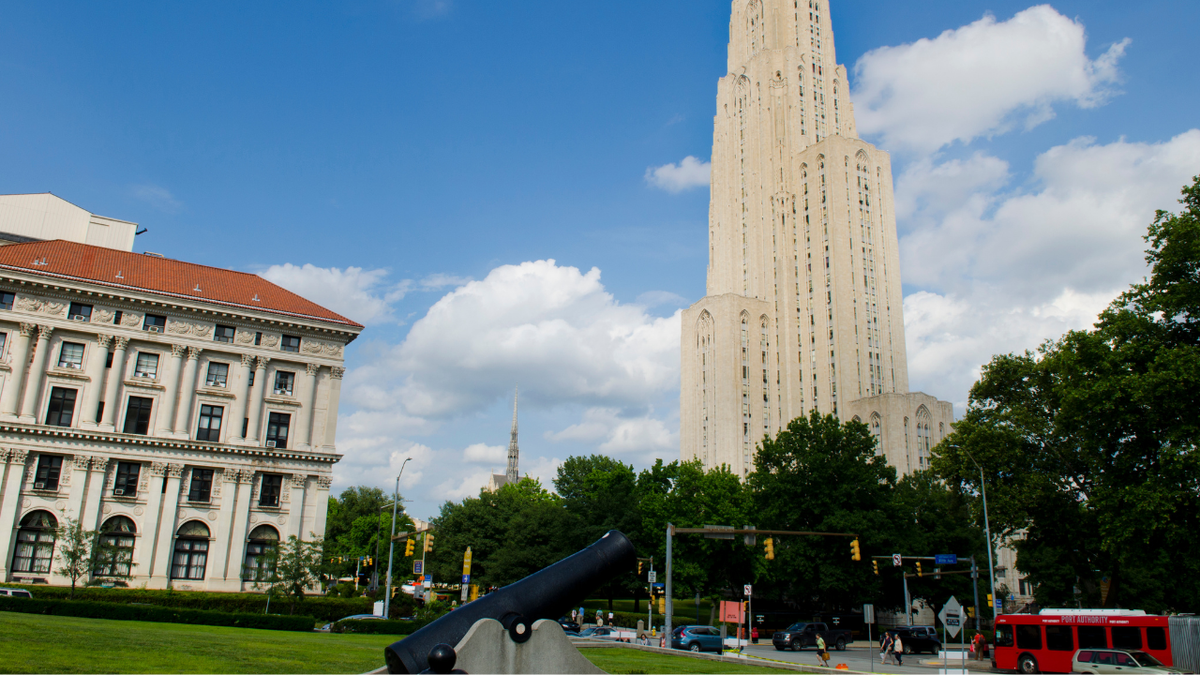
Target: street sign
418	566
466	578
951	616
653	576
710	535
897	560
868	613
945	559
746	590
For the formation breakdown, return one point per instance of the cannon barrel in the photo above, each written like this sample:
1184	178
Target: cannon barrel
547	594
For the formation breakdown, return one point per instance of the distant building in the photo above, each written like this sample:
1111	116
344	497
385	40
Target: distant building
188	412
511	473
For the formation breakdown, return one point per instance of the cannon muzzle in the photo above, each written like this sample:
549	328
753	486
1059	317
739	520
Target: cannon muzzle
547	594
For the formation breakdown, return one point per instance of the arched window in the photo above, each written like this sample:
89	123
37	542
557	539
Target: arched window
877	430
263	539
115	555
191	551
35	543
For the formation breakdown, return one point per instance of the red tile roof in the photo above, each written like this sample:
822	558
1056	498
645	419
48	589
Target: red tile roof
137	271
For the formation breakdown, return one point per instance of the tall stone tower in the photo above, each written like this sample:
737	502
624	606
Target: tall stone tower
804	305
514	452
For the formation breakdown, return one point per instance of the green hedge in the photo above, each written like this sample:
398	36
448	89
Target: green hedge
320	607
126	612
377	626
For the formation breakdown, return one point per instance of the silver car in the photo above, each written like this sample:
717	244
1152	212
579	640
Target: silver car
1117	661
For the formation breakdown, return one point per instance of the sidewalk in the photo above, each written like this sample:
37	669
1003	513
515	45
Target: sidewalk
954	663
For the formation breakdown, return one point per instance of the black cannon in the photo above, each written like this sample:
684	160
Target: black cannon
547	594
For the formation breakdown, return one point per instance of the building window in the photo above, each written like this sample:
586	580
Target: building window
290	343
191	551
3	342
146	366
268	495
70	356
210	423
35	543
218	375
154	323
48	470
251	381
277	429
78	312
224	334
117	316
62	407
114	558
262	541
127	479
137	415
284	382
257	339
201	489
7	300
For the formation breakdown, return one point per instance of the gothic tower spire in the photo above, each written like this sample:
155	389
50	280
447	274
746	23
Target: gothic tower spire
513	450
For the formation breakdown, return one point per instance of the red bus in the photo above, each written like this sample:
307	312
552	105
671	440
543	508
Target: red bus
1046	642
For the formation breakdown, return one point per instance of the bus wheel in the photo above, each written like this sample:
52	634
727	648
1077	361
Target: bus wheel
1027	664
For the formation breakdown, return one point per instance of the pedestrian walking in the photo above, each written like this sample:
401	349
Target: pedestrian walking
977	646
885	648
821	653
898	650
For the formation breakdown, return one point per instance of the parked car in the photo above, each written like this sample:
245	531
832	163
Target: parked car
16	593
354	617
697	639
917	639
568	625
804	634
1117	661
607	633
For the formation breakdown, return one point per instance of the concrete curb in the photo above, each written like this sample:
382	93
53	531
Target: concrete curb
744	660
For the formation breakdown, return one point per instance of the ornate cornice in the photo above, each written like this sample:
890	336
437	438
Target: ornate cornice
337	372
120	343
104	341
311	369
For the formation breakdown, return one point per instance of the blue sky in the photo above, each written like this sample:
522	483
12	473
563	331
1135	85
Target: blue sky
409	162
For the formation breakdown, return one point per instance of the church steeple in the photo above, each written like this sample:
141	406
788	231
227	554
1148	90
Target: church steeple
513	450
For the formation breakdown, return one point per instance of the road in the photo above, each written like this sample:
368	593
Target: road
857	657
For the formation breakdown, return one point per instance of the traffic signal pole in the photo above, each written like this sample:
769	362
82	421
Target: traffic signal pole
387	597
670	606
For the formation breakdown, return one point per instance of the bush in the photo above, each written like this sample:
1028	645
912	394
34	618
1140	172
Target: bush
126	612
323	608
378	627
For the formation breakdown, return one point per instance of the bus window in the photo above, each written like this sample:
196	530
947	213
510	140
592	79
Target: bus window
1004	636
1091	637
1029	637
1127	637
1059	639
1156	637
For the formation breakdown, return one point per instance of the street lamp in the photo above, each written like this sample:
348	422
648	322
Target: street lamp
387	597
986	528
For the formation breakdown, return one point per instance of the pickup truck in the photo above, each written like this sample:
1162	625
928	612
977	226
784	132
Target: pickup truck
800	635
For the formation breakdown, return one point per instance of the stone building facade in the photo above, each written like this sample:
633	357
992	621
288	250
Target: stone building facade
186	412
804	306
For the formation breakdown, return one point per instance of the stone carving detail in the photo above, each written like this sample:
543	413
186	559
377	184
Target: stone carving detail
283	519
319	348
298	480
262	362
81	461
229	475
178	350
138	510
175	470
131	319
27	329
104	341
311	369
212	515
44	332
27	503
100	315
158	468
324	482
270	340
40	306
187	328
337	372
244	337
120	343
194	353
64	480
245	477
17	456
247	361
106	509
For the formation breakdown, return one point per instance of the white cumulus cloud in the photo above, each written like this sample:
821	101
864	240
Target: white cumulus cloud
361	295
675	178
979	80
616	433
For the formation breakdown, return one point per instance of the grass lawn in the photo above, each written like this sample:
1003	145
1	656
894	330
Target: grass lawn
618	660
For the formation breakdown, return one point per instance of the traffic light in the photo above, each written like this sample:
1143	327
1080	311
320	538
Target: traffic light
919	573
428	542
876	564
855	553
640	568
770	542
971	612
409	546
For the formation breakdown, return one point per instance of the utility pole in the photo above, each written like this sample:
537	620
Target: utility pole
387	596
987	528
670	607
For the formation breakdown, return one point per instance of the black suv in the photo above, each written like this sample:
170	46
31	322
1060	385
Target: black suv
917	639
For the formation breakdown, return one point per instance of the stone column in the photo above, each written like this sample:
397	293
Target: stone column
256	399
95	372
112	386
95	492
19	360
37	372
79	473
219	552
335	393
166	415
321	500
9	501
148	528
239	528
296	483
187	392
161	574
306	393
237	411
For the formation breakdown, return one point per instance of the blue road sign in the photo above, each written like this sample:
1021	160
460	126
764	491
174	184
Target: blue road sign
945	559
466	578
418	566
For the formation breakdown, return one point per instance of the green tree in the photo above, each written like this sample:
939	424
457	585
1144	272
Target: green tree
76	549
293	566
1090	442
358	525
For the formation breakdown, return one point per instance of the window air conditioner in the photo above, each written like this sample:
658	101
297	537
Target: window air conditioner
270	444
76	366
142	375
154	329
78	317
118	492
283	392
39	486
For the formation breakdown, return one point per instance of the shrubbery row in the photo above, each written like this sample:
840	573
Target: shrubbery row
321	607
378	627
125	612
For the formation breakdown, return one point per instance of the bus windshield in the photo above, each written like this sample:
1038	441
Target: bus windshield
1004	636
